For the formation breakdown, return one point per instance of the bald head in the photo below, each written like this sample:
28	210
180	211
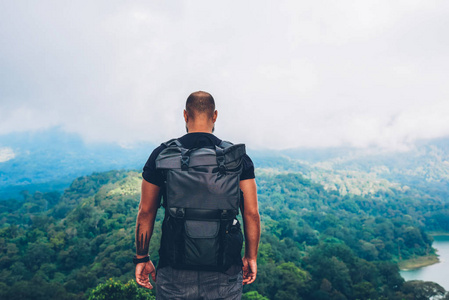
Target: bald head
200	103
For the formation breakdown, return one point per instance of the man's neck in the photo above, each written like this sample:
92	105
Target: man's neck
204	129
200	131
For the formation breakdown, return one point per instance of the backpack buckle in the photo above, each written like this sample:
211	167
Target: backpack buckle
180	213
222	170
225	214
221	164
185	159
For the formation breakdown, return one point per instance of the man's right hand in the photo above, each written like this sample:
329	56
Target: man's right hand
143	270
249	270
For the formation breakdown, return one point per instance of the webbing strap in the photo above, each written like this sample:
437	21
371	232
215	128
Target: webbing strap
202	214
220	160
185	159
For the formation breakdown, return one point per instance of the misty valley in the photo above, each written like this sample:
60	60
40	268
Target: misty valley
335	224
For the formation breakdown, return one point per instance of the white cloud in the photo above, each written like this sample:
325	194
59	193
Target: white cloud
284	74
6	154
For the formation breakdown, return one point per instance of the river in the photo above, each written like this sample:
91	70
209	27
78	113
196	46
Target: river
439	272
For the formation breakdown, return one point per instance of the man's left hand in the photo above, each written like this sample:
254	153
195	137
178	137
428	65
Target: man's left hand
249	270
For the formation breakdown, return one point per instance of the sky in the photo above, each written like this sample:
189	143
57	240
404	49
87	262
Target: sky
284	74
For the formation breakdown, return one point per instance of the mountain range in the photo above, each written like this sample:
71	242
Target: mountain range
51	159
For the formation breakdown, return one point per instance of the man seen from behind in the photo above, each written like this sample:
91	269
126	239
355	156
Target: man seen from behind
204	183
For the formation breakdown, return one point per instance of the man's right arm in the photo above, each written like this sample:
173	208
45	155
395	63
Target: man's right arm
149	204
251	222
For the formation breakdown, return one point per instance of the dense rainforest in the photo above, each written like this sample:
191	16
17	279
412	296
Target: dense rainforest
316	243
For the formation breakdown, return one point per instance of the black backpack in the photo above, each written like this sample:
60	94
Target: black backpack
201	199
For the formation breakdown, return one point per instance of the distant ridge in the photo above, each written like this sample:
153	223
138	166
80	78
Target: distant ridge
52	159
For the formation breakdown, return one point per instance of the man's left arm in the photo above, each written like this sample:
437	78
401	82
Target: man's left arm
149	203
251	223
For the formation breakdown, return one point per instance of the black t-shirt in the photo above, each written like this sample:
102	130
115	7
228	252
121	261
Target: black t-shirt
189	141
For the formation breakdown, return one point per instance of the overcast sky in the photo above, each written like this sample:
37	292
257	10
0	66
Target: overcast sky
283	73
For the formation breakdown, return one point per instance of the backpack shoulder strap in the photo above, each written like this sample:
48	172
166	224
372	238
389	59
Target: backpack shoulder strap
163	193
225	144
172	142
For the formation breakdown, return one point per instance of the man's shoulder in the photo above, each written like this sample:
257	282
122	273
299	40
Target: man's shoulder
158	149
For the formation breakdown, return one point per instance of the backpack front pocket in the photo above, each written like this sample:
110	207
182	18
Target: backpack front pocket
201	243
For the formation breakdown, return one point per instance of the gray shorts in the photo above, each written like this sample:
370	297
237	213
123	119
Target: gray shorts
173	284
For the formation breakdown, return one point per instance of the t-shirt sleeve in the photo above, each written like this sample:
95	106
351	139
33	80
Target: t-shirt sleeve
150	173
248	168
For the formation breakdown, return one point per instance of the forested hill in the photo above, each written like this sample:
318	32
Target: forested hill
49	160
424	166
316	243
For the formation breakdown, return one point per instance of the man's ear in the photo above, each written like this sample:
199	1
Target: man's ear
186	117
214	118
